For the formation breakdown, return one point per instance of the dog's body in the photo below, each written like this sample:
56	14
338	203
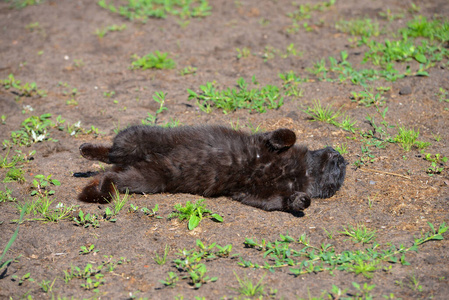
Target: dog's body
263	170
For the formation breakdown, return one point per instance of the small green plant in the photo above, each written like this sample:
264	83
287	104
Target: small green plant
414	283
324	114
368	97
5	196
231	99
33	130
437	162
4	264
443	95
359	27
156	60
194	213
408	138
162	260
22	90
142	10
359	234
40	184
342	149
109	94
158	97
101	32
88	249
21	280
188	70
248	288
243	53
14	174
118	202
170	280
46	286
363	292
86	220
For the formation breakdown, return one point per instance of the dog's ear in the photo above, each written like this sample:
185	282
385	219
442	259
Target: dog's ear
281	139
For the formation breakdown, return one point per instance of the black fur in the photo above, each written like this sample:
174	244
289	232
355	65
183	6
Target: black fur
263	170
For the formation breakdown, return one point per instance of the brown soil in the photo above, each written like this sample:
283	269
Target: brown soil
404	197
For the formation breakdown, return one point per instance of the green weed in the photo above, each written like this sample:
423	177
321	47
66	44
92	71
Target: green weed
22	89
14	174
231	99
40	184
188	70
359	27
437	162
342	149
369	97
281	253
324	114
88	249
190	262
194	213
118	202
170	280
4	264
406	137
443	95
156	60
5	196
33	130
162	260
144	9
158	97
46	286
86	220
248	288
360	234
101	32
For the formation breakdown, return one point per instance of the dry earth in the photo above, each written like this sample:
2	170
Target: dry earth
54	44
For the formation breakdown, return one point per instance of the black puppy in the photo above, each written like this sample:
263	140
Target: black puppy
263	170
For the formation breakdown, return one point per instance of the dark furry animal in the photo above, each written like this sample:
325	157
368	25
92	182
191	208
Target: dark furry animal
263	170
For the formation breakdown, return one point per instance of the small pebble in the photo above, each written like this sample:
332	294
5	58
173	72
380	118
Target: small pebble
405	90
372	182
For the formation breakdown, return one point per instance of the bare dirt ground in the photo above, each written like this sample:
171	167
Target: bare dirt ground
387	189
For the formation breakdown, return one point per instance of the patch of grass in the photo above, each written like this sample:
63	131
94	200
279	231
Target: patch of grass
161	260
188	71
360	234
22	89
156	60
88	249
437	163
359	27
33	130
304	12
86	220
248	288
144	9
281	253
324	114
194	213
443	95
369	97
4	264
408	138
191	262
101	32
40	184
41	207
15	174
118	202
5	196
24	3
342	149
231	99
